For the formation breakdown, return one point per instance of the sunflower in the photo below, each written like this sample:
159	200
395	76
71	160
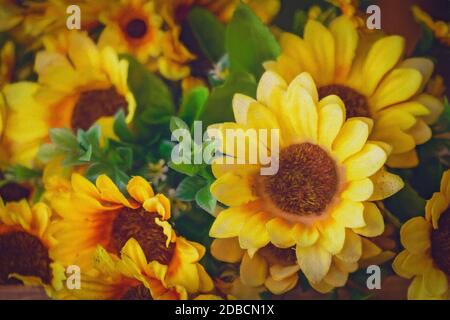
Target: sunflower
29	21
319	202
426	257
100	215
132	26
128	277
25	246
78	85
275	268
367	72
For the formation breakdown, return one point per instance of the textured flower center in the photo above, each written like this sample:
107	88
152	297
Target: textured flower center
355	103
440	243
13	192
140	225
139	292
275	255
23	254
306	180
136	28
94	104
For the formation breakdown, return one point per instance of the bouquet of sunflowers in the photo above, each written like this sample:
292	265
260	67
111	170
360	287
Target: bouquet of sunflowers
200	149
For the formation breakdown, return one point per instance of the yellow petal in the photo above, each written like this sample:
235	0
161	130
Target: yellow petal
227	250
369	249
253	271
332	236
241	103
397	265
139	189
229	222
314	261
433	104
271	88
374	221
400	141
336	277
358	190
304	236
82	185
416	290
133	250
109	191
415	235
331	118
435	281
435	207
301	112
403	160
445	185
365	163
416	263
385	184
350	214
421	132
253	234
279	272
346	40
322	43
280	233
281	286
351	139
423	65
398	86
383	55
232	190
352	250
307	82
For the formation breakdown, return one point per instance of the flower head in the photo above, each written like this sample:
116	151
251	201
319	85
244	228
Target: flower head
319	204
426	258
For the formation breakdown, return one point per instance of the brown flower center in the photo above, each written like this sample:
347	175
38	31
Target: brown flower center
94	104
140	225
136	28
139	292
275	255
14	192
355	103
306	180
440	243
23	254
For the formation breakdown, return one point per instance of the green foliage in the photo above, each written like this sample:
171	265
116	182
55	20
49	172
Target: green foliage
249	42
209	33
406	203
193	104
218	107
426	41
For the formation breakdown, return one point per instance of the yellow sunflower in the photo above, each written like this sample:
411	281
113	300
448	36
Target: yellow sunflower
426	258
130	277
367	72
320	201
78	85
29	21
132	26
100	215
25	246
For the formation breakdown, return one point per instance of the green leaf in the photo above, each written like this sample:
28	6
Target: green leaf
21	173
96	169
209	33
426	41
300	19
48	152
64	139
189	187
205	199
87	155
406	203
154	100
121	128
193	104
126	157
249	42
218	107
187	169
177	123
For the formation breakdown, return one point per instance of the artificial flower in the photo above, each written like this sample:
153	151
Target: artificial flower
369	74
320	201
78	85
426	258
25	246
100	215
